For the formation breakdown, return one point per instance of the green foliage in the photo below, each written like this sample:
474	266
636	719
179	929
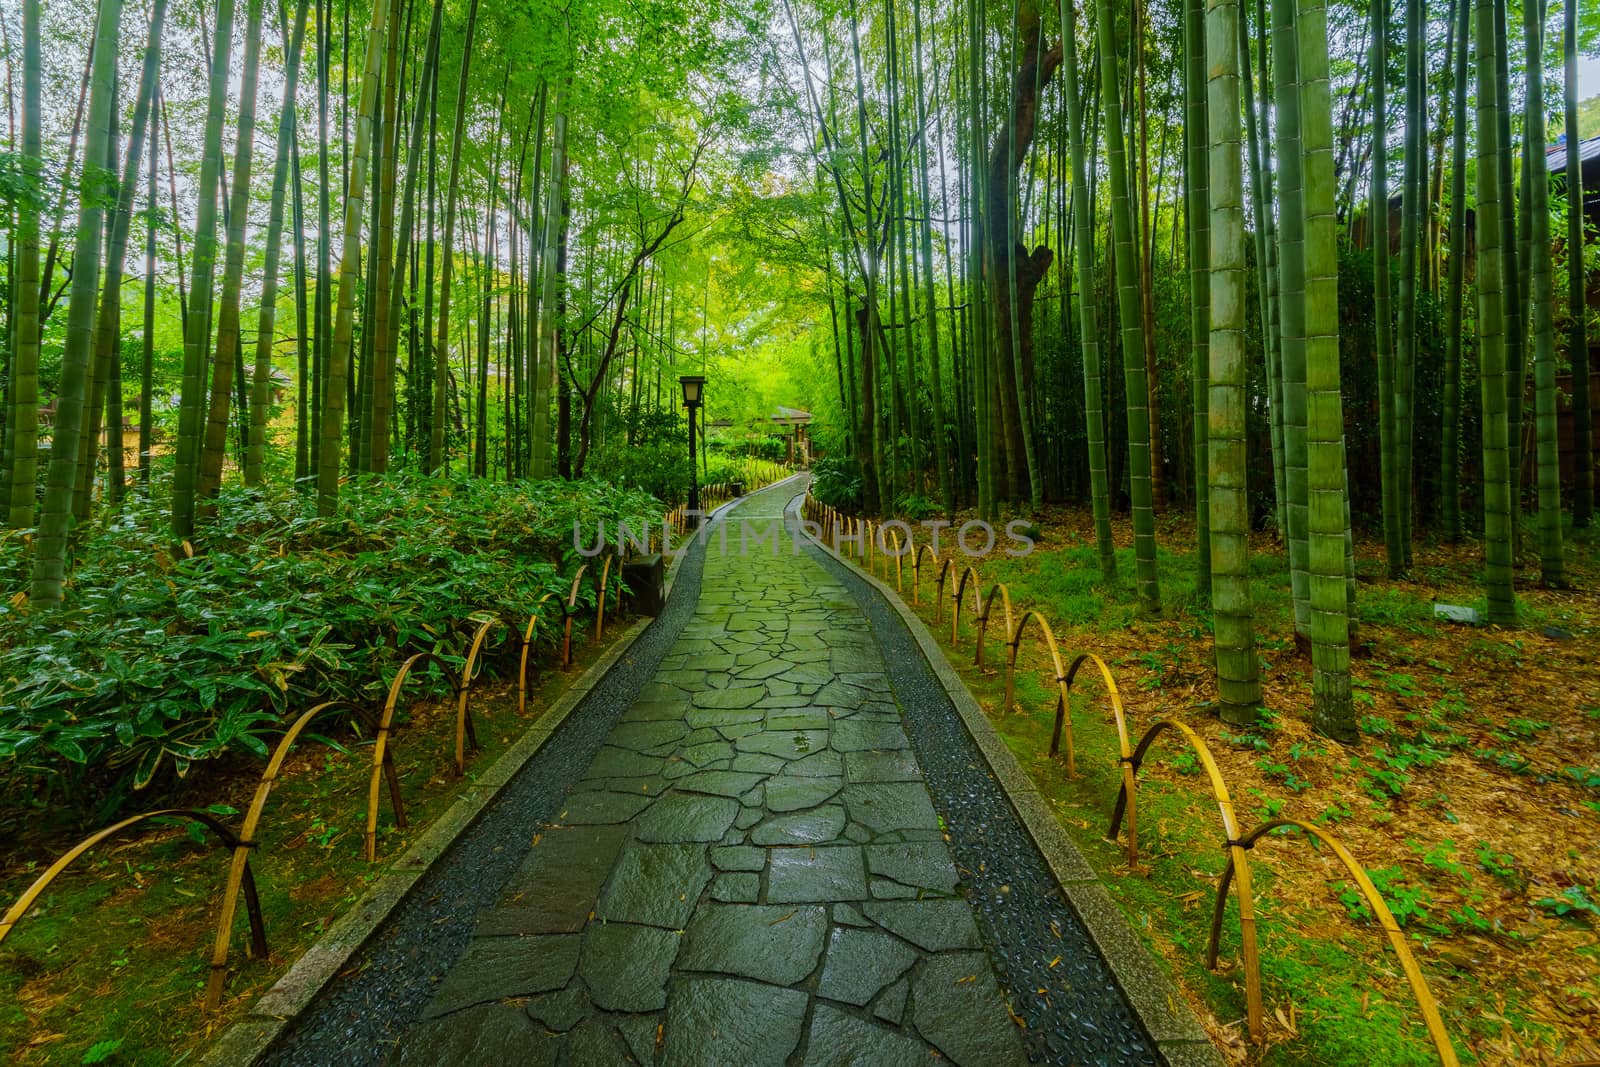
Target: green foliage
1405	902
1573	903
102	1051
836	482
158	659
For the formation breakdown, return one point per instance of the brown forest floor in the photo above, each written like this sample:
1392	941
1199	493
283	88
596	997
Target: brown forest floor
1474	795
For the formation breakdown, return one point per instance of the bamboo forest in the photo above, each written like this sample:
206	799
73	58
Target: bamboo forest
724	533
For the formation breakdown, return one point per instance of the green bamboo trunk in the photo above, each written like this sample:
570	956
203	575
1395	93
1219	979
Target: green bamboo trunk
1197	206
338	369
1292	300
95	189
1328	523
1238	675
108	334
1577	341
1498	522
266	323
1552	569
941	458
1450	438
441	348
23	426
1129	316
1088	318
1262	213
202	269
215	446
1382	293
1413	195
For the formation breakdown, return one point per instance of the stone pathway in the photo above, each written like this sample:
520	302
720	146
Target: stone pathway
750	871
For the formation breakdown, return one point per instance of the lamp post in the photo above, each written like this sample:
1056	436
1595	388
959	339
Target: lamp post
693	386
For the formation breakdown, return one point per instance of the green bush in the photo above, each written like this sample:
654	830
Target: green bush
158	660
836	482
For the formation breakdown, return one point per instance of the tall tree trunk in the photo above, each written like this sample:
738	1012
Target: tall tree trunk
24	424
441	348
1382	308
215	446
383	398
1088	320
1292	300
1013	270
1513	283
1238	673
1450	439
1577	342
1498	522
197	331
94	190
1262	214
1328	522
1413	197
1127	270
338	370
1552	569
1197	207
547	377
108	340
261	386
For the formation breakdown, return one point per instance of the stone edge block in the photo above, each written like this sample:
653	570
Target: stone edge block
1166	1016
247	1040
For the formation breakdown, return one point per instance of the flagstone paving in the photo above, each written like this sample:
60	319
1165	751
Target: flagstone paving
751	870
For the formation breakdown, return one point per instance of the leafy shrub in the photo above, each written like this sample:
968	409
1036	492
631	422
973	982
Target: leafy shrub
836	482
159	659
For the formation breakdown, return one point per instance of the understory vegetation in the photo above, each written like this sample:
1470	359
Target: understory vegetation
1472	798
162	657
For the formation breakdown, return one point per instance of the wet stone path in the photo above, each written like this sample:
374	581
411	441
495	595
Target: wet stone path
750	871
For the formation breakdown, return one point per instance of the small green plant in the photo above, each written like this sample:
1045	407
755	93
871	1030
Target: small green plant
1588	777
1271	807
1376	725
1501	865
1399	684
102	1051
1525	728
1333	814
1382	784
1573	903
1185	763
1467	918
1440	857
1406	902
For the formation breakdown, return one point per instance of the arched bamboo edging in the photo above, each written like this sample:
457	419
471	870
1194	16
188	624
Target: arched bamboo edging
1408	963
381	745
983	620
1232	845
899	578
600	604
464	690
528	634
252	819
228	839
938	596
1015	643
916	570
955	601
1119	718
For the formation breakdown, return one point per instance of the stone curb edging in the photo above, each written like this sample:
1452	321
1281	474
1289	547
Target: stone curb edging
1179	1038
248	1039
